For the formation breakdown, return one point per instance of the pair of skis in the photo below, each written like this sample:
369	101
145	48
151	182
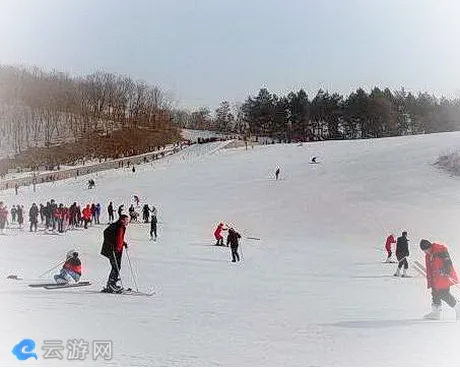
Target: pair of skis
54	286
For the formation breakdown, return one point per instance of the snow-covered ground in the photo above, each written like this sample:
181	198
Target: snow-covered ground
312	291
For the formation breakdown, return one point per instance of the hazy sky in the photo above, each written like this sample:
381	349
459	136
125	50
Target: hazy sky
205	51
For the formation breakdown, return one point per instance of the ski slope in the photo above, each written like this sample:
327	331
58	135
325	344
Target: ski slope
312	291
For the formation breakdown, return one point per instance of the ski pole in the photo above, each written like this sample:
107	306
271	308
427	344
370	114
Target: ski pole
131	268
51	269
118	269
252	238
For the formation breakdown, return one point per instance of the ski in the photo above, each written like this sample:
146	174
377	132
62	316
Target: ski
66	286
419	270
420	265
129	292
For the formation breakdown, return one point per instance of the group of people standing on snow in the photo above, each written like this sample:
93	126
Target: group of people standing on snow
439	270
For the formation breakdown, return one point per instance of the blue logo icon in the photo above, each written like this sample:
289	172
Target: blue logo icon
24	350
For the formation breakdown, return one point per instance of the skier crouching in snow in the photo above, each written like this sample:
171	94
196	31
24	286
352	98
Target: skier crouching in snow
440	276
232	239
71	270
402	252
390	240
218	234
112	248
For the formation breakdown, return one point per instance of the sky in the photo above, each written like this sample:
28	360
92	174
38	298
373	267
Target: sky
204	51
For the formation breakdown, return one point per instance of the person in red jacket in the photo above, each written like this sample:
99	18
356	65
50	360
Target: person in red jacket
112	248
71	270
390	240
218	234
440	276
87	213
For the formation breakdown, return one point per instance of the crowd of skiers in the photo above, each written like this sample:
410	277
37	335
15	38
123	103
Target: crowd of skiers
439	270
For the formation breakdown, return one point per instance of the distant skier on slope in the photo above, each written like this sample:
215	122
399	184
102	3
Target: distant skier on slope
218	234
112	248
71	270
232	239
277	173
146	213
136	200
153	227
402	252
440	276
390	240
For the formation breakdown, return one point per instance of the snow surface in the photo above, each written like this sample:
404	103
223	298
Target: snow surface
312	291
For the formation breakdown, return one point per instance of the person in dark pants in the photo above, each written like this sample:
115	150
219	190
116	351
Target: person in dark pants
232	239
277	173
153	227
112	248
440	276
111	211
402	252
33	217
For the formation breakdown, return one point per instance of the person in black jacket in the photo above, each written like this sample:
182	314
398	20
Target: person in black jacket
110	210
402	252
153	227
232	239
112	248
33	217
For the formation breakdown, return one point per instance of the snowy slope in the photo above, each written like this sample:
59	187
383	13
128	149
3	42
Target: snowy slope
313	291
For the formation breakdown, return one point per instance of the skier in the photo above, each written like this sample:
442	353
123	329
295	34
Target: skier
42	213
277	173
120	209
33	217
14	213
110	211
390	240
86	215
402	252
136	199
3	217
146	213
20	214
153	227
71	270
112	248
440	276
98	213
91	184
313	160
232	239
132	214
218	234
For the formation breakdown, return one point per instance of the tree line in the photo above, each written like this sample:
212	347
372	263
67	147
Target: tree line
361	114
102	114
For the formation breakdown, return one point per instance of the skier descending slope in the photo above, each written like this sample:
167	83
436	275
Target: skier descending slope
440	276
218	234
402	252
112	248
71	270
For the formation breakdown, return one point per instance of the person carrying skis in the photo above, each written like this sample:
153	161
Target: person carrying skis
218	234
402	252
112	248
232	239
153	227
390	240
71	270
440	276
